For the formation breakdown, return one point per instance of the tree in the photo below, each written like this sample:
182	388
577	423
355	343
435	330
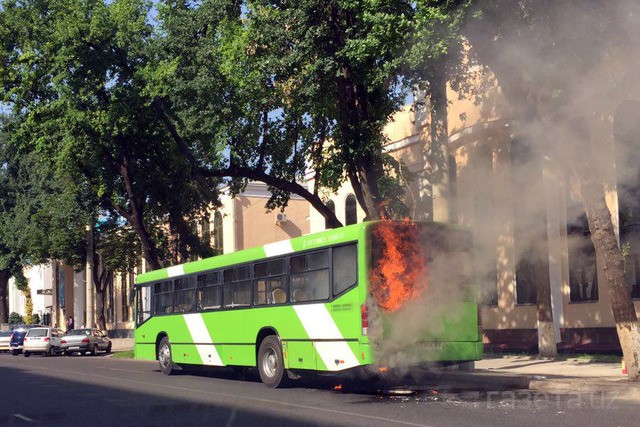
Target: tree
74	71
558	64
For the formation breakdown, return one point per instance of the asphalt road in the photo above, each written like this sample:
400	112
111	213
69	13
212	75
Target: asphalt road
107	391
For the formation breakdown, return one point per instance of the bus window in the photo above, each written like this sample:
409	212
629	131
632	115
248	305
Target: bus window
237	294
209	298
143	304
270	291
345	270
185	296
237	289
163	297
269	288
208	279
309	277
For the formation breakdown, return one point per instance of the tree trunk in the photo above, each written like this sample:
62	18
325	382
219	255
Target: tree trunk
547	345
611	262
4	302
136	218
100	303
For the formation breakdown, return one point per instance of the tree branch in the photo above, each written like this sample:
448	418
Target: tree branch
235	171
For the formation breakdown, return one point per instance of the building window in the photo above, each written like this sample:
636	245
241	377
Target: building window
206	231
632	270
218	246
583	272
525	284
530	222
332	208
350	210
626	131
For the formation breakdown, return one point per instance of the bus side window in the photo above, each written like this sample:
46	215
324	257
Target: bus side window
237	290
269	283
310	277
345	268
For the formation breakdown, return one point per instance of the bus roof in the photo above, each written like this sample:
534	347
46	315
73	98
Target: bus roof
349	233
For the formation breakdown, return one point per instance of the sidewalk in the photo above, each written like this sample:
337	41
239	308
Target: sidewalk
568	376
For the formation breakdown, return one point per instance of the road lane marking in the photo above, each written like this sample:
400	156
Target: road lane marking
252	399
124	370
23	418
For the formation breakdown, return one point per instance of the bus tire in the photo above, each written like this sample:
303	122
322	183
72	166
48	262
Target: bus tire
271	363
164	357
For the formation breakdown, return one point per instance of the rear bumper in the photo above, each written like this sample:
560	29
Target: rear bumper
75	347
37	348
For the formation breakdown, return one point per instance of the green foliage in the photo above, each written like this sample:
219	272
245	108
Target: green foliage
87	116
15	318
28	317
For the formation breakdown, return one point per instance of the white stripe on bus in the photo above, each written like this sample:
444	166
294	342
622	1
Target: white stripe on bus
200	334
278	248
318	323
176	270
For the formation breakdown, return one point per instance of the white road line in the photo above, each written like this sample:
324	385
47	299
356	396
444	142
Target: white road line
23	418
124	370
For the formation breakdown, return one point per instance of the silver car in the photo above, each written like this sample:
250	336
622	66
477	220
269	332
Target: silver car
45	340
85	341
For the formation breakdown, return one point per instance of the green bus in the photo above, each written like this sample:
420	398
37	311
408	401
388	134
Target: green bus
319	302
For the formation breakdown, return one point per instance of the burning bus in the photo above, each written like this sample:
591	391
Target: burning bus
385	293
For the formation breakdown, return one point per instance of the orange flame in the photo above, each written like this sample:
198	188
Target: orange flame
399	273
383	369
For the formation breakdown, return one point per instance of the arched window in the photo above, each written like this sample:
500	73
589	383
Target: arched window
332	208
350	210
217	234
206	230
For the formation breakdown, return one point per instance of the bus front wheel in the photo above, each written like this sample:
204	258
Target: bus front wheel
164	357
271	363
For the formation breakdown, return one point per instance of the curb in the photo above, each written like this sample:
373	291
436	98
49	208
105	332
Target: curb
617	389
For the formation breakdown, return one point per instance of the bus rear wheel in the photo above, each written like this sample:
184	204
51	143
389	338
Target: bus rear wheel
164	357
271	363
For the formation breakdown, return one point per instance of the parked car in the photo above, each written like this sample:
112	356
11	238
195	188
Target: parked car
5	339
85	341
45	340
17	337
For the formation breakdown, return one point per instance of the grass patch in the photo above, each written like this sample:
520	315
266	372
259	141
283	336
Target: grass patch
123	354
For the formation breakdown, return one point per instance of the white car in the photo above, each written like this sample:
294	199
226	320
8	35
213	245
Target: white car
5	339
43	340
